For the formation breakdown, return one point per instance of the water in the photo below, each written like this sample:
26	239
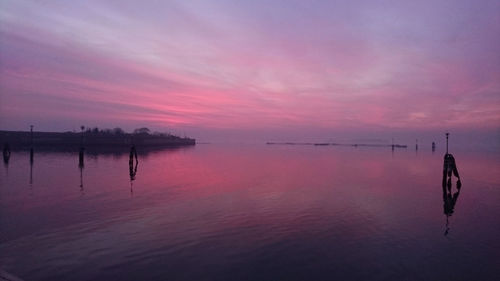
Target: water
250	212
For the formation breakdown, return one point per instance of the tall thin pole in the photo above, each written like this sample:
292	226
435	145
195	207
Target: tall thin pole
81	136
31	135
31	154
447	134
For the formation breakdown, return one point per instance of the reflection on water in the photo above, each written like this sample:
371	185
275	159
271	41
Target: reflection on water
250	213
81	165
132	168
31	165
6	153
449	200
6	157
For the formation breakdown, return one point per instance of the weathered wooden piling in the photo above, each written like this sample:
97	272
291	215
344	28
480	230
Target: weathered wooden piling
450	168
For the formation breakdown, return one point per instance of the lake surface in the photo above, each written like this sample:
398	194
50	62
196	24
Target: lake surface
251	212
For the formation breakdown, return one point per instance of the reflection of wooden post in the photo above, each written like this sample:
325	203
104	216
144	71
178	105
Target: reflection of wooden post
81	178
80	158
31	168
31	144
80	165
6	153
31	135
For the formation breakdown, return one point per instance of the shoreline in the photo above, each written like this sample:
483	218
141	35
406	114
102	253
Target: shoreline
23	139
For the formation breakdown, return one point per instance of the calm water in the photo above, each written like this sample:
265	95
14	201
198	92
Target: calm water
250	212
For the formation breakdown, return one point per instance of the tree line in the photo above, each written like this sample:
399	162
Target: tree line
120	131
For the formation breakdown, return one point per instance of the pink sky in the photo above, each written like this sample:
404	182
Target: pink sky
292	68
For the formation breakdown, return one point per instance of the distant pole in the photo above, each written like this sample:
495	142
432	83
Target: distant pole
81	136
31	155
31	144
416	144
447	134
31	135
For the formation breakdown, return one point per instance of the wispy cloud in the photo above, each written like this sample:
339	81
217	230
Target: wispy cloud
264	64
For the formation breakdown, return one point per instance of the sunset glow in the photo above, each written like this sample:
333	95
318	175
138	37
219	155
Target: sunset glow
249	65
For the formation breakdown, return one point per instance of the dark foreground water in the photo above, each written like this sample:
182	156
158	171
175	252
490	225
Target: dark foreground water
251	213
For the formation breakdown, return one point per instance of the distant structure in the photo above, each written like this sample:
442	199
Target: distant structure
433	146
450	168
81	137
416	144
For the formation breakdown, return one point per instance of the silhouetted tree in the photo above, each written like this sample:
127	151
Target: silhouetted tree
118	131
141	131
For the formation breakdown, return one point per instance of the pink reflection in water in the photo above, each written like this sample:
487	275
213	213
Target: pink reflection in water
213	206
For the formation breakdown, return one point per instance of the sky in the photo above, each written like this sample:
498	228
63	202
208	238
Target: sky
267	70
